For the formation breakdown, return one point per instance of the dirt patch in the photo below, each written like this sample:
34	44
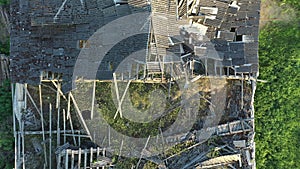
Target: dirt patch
272	11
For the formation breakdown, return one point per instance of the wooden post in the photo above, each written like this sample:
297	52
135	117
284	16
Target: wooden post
187	9
137	165
91	155
242	92
58	128
69	104
80	115
67	160
85	159
58	89
72	129
72	159
122	99
234	72
79	137
97	155
64	118
14	122
79	158
23	143
42	119
162	68
32	101
58	166
25	97
93	100
145	69
215	67
117	92
58	114
137	71
121	147
103	153
19	147
58	96
206	67
50	136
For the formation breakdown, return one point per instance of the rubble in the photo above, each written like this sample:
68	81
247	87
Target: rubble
187	40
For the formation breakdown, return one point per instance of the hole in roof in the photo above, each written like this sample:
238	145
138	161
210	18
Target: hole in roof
239	38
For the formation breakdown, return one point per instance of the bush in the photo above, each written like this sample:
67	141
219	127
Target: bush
4	2
4	48
6	139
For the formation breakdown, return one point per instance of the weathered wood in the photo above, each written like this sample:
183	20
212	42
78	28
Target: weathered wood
58	165
85	159
93	99
67	160
71	123
117	93
72	160
137	71
80	151
42	119
199	157
137	165
58	87
32	101
103	153
59	10
23	144
19	150
91	155
79	157
14	123
122	99
242	92
97	155
50	136
58	116
64	119
80	115
58	128
79	138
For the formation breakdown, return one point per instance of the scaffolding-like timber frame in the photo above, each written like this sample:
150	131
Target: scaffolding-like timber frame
242	126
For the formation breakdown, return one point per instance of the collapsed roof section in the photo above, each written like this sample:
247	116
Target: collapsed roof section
49	36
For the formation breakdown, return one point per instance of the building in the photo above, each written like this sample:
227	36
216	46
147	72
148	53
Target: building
58	41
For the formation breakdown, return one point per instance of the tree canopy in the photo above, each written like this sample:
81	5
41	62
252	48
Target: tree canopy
277	102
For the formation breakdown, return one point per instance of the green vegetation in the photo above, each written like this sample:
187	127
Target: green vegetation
294	3
139	96
277	102
4	47
124	162
4	2
6	133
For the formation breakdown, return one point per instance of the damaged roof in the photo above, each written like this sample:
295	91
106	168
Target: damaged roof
48	36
